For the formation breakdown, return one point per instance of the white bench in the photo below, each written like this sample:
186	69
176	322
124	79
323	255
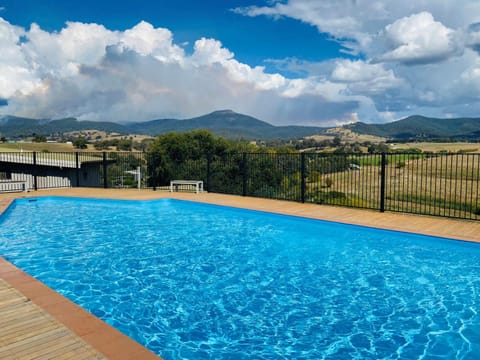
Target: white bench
13	185
198	184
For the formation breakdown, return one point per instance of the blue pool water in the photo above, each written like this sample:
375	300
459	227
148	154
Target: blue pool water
196	281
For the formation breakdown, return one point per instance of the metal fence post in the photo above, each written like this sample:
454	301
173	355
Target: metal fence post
77	168
244	174
303	172
209	172
105	183
35	185
382	182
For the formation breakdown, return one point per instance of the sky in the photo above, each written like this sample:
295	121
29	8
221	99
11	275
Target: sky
289	62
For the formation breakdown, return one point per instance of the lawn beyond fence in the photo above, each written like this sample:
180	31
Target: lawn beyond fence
432	184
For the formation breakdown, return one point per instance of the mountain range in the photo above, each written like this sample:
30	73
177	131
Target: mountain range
423	128
234	125
222	123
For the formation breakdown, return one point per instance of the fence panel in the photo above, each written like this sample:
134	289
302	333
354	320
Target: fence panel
123	170
274	176
434	184
226	174
351	180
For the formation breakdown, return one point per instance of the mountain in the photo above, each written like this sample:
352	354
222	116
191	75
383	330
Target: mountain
233	125
422	128
14	126
72	124
225	123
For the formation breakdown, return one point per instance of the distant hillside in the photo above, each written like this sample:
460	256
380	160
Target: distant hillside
14	126
423	128
72	124
222	123
232	125
18	126
225	123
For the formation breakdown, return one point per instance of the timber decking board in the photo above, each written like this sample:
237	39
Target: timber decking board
28	332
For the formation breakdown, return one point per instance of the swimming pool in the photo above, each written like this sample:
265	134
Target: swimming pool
200	281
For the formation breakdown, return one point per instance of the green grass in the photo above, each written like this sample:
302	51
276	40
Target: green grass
436	203
40	147
376	160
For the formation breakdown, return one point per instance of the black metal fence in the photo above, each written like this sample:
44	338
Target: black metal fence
433	184
46	170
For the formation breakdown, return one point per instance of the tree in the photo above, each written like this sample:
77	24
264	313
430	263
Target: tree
184	155
39	138
101	145
124	144
80	142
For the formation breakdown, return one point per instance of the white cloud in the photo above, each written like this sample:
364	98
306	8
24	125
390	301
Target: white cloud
358	24
15	70
364	78
415	57
419	39
146	40
90	72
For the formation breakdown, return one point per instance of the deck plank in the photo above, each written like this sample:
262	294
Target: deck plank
28	332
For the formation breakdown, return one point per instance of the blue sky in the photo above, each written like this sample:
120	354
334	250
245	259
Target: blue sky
315	62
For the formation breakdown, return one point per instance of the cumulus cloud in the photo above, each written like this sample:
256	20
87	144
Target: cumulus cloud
419	39
358	24
15	69
90	72
411	57
364	78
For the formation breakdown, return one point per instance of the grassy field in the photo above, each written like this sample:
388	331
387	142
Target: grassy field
446	185
46	147
437	147
40	147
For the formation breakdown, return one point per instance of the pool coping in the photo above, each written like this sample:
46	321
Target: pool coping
113	344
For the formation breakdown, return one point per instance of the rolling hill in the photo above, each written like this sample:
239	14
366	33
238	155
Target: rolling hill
233	125
423	128
225	123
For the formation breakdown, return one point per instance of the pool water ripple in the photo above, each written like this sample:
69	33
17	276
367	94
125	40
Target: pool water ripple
193	281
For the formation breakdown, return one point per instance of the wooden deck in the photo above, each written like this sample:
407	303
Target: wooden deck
28	332
37	322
